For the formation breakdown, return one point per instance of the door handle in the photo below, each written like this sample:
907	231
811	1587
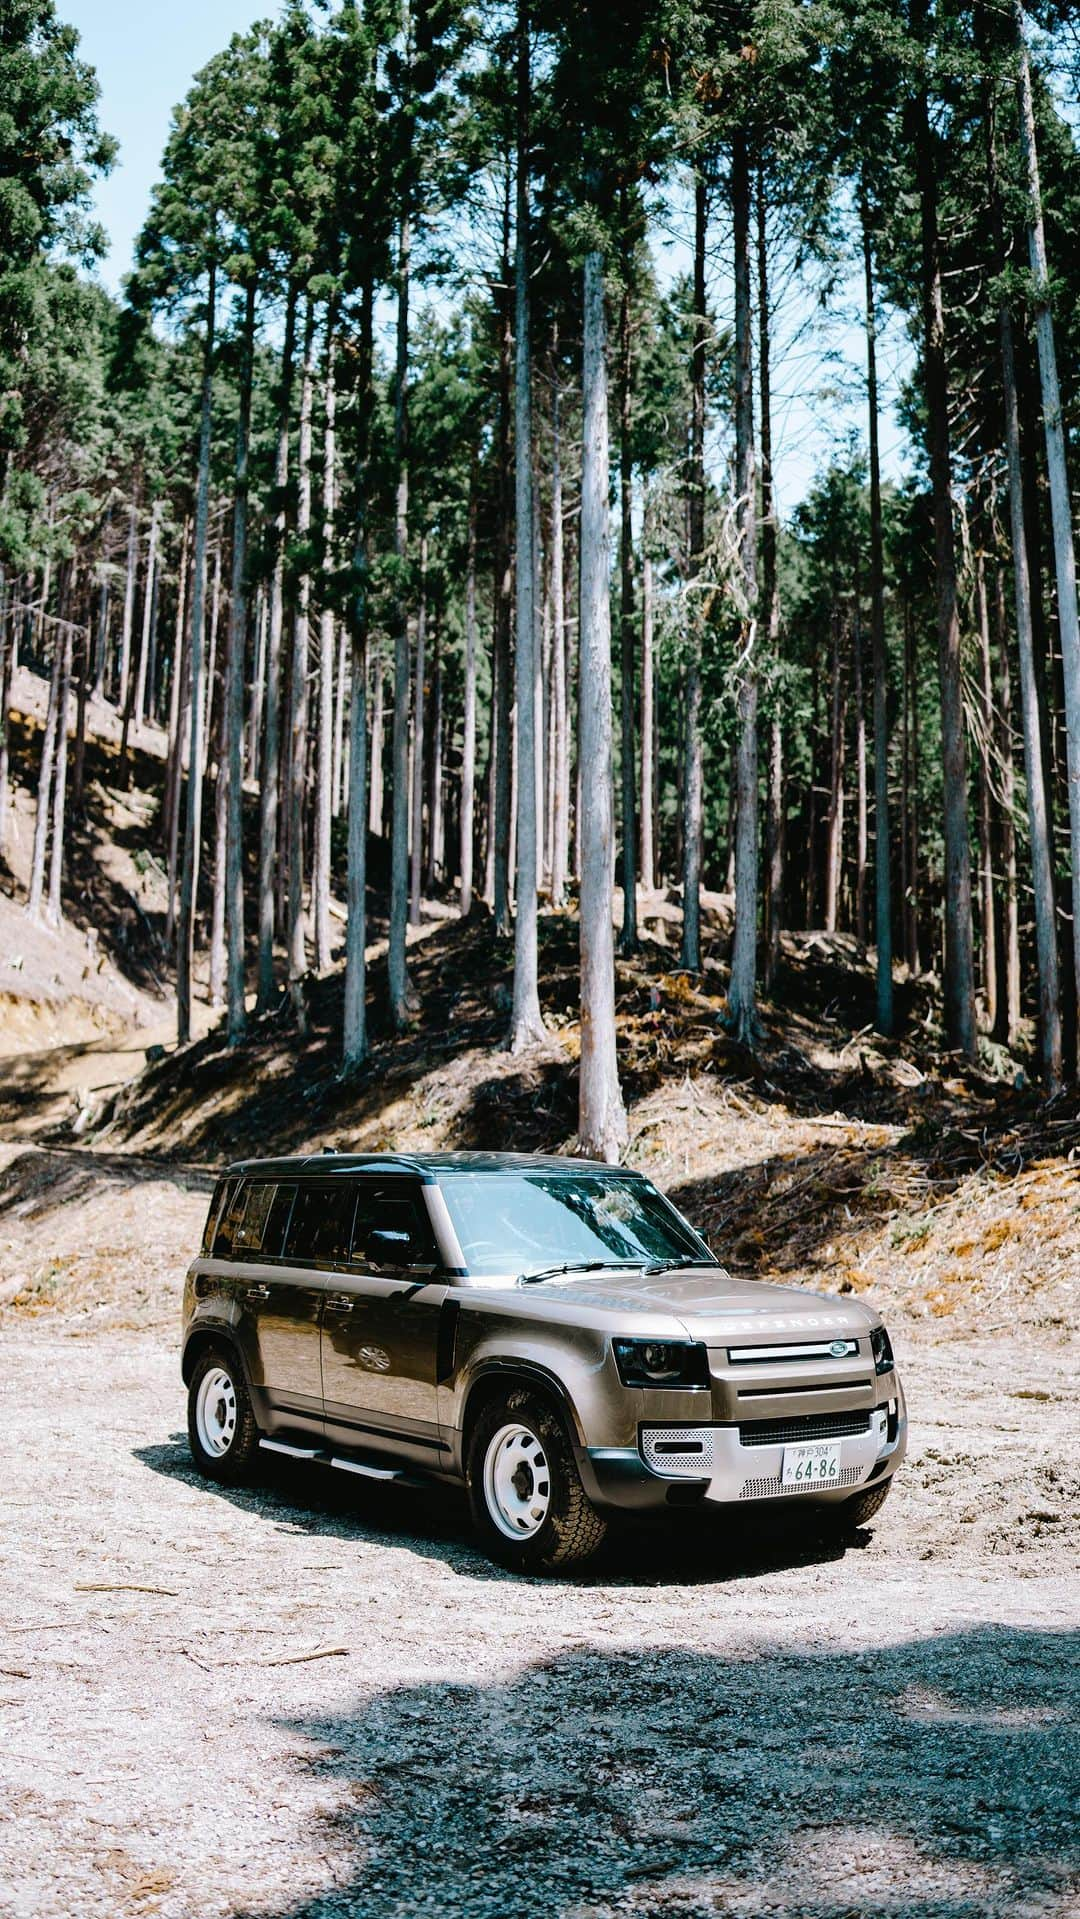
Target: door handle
256	1292
338	1303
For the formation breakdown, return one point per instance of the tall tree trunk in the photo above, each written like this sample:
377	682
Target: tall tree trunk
341	701
148	612
36	890
1056	465
648	722
503	585
217	965
436	847
834	833
911	789
269	797
602	1129
78	770
560	831
879	659
627	628
298	702
101	639
378	727
692	776
526	1022
232	763
130	576
397	971
1008	1025
416	832
468	747
1038	806
991	957
54	907
354	1035
959	967
860	775
324	778
189	879
770	603
742	986
178	697
258	685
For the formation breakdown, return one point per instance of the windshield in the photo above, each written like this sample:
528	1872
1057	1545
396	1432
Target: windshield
527	1222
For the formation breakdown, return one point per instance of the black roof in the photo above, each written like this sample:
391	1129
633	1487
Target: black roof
426	1166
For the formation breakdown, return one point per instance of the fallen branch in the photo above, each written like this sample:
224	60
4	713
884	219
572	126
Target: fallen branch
103	1586
299	1658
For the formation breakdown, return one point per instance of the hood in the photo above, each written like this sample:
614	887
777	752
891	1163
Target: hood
714	1307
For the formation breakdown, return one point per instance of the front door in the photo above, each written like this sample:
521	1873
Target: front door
381	1328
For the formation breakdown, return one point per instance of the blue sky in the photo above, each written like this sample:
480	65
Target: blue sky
145	57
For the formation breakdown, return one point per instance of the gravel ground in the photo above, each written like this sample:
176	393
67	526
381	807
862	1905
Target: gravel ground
329	1703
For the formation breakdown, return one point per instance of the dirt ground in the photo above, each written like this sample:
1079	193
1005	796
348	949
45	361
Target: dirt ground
317	1699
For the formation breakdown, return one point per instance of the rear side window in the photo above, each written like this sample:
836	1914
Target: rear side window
250	1227
229	1217
211	1218
252	1219
320	1230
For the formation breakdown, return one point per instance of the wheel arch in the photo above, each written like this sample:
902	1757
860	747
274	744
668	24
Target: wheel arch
497	1377
201	1340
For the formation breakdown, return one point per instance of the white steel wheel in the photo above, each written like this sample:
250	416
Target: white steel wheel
216	1412
517	1482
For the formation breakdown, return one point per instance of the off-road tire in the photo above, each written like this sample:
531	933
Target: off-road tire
573	1529
235	1464
858	1511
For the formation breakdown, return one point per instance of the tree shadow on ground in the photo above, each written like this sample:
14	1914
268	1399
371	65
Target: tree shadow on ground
38	1182
932	1777
433	1522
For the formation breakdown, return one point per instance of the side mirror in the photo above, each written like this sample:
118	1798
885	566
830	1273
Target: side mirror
386	1248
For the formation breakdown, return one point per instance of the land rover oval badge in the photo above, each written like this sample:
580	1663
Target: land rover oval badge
839	1348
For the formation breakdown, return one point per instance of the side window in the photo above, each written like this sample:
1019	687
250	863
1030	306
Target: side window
320	1229
273	1239
229	1218
248	1236
397	1212
211	1219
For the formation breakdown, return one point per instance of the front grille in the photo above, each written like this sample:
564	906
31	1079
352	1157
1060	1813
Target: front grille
772	1488
788	1432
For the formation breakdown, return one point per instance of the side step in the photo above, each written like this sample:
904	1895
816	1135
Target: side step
324	1458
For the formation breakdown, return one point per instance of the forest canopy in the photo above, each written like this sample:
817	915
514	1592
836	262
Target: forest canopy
418	506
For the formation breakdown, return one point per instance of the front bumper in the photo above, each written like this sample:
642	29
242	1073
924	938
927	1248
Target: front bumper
714	1466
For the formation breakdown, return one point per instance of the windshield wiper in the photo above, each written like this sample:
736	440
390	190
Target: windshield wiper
675	1265
575	1266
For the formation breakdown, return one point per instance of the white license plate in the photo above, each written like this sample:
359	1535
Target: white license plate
806	1466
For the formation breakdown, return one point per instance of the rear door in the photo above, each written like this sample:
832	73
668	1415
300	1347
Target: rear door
279	1302
381	1328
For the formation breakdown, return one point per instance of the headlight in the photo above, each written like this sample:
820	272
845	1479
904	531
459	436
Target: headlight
881	1347
657	1362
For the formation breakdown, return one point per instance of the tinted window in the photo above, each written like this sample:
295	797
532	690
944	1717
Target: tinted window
211	1218
251	1225
232	1212
526	1222
320	1230
277	1220
392	1211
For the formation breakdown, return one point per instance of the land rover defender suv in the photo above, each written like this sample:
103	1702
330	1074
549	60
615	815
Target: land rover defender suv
548	1332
